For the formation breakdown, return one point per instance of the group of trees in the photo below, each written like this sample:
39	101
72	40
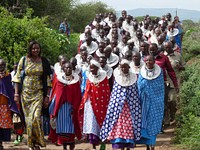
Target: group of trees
79	15
15	35
22	21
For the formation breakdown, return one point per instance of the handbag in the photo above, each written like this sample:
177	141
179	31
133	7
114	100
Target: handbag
22	74
53	123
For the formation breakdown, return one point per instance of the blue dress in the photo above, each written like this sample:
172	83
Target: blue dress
151	94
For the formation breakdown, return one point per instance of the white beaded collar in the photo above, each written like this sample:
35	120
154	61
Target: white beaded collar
101	75
154	73
113	60
124	80
62	79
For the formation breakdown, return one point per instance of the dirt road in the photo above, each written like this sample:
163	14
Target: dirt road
163	143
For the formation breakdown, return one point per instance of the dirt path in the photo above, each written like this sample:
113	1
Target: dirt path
163	143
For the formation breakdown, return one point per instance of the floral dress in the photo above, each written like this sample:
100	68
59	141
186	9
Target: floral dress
32	99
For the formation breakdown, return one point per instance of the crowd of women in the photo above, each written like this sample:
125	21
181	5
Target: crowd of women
120	88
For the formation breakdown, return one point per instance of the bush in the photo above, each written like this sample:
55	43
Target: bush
17	33
188	120
191	41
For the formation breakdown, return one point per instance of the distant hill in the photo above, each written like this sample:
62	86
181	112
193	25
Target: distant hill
183	14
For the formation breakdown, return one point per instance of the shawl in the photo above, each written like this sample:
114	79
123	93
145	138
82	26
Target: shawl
99	97
7	90
71	94
120	95
151	93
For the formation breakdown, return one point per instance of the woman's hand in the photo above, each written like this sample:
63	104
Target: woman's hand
46	102
17	98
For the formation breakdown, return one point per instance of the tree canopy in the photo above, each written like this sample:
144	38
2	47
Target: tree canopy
78	15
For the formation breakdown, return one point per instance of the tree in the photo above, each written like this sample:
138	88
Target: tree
17	33
82	14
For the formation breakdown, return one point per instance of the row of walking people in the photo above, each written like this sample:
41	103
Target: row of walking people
121	116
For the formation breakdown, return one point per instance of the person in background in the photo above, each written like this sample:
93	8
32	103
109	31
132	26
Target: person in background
65	27
163	61
112	59
75	67
179	25
107	69
14	70
19	123
151	93
92	110
7	104
144	50
35	92
178	65
90	45
137	63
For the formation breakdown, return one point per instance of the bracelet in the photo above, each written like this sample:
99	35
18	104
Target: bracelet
16	95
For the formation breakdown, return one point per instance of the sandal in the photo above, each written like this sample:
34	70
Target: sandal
16	142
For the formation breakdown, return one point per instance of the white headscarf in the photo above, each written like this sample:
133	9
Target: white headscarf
125	61
96	63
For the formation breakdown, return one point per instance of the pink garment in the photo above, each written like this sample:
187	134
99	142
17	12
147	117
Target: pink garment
123	128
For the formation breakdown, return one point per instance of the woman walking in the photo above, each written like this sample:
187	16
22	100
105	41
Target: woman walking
123	119
64	107
35	92
7	104
151	93
94	104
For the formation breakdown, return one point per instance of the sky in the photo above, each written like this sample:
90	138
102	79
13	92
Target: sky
133	4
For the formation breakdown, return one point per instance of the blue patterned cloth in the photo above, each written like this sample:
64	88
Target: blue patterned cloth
84	79
64	121
119	95
151	94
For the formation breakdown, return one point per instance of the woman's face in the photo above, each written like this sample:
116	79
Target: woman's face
101	47
102	62
136	57
124	68
62	62
67	68
93	69
150	62
153	50
107	52
84	55
35	51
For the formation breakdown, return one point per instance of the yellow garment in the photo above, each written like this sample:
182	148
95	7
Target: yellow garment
32	100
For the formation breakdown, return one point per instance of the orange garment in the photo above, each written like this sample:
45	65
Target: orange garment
5	113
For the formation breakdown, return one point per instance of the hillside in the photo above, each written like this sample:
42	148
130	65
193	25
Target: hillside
182	13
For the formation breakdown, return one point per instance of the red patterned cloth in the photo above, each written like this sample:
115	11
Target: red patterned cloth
124	126
99	97
5	113
71	94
